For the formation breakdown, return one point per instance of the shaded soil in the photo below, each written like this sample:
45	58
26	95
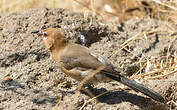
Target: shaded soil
28	74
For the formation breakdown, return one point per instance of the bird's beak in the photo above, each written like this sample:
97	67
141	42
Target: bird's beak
39	33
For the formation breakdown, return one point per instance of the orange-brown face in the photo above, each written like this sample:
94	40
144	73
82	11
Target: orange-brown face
50	36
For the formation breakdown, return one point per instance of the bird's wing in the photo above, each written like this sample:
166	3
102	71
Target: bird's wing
76	55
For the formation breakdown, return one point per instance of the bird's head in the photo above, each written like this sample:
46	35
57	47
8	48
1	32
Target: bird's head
52	38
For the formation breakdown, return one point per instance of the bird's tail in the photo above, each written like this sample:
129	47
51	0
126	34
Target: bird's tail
136	86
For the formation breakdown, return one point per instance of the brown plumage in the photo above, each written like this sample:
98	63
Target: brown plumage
78	61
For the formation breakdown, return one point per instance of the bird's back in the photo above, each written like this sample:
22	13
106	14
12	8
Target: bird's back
80	56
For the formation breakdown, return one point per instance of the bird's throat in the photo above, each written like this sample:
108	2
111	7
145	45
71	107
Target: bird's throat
56	51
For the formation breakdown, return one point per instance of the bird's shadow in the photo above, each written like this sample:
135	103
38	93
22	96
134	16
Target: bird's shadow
40	97
119	96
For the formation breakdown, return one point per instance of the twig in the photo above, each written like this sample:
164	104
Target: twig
169	6
93	99
165	75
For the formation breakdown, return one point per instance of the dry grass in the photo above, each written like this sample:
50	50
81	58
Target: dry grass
154	69
7	6
120	10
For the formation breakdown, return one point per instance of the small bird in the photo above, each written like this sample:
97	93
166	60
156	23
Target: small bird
78	62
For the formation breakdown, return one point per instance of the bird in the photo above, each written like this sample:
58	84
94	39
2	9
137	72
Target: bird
78	61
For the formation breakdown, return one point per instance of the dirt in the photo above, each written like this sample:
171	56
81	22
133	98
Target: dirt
30	79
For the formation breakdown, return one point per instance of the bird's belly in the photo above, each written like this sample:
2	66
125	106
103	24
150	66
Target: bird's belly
83	74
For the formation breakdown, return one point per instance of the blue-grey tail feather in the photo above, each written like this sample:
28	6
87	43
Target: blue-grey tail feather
136	86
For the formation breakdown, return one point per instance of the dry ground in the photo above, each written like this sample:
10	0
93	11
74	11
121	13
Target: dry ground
142	48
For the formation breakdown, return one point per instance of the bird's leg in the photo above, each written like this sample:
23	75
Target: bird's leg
86	88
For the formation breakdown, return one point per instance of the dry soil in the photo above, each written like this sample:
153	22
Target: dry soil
30	79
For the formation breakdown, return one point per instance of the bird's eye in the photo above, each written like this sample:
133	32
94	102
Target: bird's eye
45	33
